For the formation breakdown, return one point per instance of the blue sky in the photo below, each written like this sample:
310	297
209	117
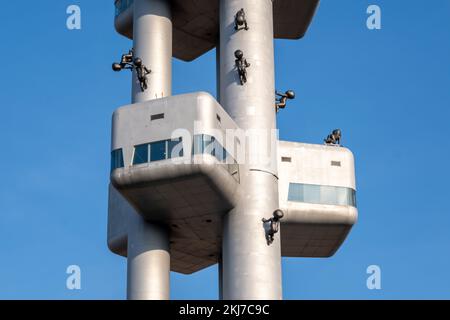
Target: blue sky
388	90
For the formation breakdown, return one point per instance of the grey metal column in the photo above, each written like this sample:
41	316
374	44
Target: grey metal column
251	267
148	274
152	37
148	244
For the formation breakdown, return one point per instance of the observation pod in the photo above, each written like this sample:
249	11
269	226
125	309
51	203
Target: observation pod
318	196
185	182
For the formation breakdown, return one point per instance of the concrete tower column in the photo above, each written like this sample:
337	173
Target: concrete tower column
251	267
148	267
152	42
148	244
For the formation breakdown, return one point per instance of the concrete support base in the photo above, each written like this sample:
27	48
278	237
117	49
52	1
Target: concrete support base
148	261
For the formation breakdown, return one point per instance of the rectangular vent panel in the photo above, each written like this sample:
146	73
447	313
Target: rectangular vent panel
157	116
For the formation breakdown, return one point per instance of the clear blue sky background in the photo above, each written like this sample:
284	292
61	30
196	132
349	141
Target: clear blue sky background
388	90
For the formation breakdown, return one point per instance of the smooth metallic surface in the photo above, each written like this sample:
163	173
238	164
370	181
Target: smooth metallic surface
251	268
119	211
153	44
148	267
196	24
148	244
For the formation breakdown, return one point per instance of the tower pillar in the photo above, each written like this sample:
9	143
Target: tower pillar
148	274
152	42
251	266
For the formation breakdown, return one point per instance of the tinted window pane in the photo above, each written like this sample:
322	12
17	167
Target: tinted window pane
198	144
175	148
327	195
310	193
219	151
116	159
208	144
342	197
353	197
140	154
295	192
158	151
